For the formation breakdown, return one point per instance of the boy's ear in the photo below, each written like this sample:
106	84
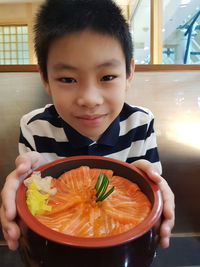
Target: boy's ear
130	76
132	69
44	82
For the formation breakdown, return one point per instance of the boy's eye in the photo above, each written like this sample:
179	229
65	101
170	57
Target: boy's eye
108	78
67	80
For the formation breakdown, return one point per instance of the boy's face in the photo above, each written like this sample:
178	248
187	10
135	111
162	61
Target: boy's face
87	80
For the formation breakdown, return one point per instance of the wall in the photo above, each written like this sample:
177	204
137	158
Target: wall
20	13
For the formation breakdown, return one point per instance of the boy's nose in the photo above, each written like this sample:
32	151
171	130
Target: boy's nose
90	97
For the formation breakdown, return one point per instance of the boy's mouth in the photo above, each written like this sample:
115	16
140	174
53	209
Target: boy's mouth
92	120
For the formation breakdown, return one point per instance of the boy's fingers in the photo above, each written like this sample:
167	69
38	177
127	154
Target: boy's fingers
28	162
13	231
165	229
168	200
22	169
8	195
23	165
4	221
24	159
146	167
164	242
168	210
165	233
10	231
12	244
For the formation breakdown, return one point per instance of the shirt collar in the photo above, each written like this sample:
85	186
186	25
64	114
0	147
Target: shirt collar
109	137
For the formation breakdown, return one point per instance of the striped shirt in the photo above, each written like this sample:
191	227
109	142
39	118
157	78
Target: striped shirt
129	137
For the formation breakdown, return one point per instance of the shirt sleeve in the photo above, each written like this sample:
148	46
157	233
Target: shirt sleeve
26	140
146	148
150	146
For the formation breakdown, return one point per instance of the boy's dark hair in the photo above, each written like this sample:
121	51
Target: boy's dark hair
59	17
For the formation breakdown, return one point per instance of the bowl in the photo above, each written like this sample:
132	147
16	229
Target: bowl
42	246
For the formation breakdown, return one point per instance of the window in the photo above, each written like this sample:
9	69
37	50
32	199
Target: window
140	29
166	31
181	32
14	46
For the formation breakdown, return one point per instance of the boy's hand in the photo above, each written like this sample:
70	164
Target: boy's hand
25	164
168	200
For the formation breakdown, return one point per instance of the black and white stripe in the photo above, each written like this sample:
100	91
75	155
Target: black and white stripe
129	138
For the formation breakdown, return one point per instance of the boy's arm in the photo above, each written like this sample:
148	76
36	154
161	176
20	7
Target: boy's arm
25	164
150	164
168	200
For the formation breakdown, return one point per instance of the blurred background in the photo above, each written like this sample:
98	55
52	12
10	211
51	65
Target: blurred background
171	27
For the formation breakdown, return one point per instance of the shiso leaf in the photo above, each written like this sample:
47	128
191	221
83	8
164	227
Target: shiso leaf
101	187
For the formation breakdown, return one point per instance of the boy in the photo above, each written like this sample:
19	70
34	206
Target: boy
84	52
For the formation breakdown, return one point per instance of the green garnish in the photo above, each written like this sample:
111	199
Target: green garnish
101	187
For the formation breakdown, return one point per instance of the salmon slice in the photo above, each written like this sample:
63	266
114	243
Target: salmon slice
124	185
76	212
56	223
77	179
79	224
62	202
127	208
94	174
60	185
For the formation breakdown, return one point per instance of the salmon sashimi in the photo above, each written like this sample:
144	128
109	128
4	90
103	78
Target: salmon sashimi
77	179
75	210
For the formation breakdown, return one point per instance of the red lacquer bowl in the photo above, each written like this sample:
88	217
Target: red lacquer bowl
142	236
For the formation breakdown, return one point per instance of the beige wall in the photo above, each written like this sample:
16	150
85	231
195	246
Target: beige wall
13	13
20	14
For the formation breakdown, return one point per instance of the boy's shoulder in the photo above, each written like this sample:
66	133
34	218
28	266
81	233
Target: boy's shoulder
46	113
132	112
135	120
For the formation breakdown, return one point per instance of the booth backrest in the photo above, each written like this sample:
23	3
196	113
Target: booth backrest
173	97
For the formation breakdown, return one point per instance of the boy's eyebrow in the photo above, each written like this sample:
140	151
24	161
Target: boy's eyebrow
111	62
63	66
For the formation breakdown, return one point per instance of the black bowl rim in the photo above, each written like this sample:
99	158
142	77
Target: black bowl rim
65	239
